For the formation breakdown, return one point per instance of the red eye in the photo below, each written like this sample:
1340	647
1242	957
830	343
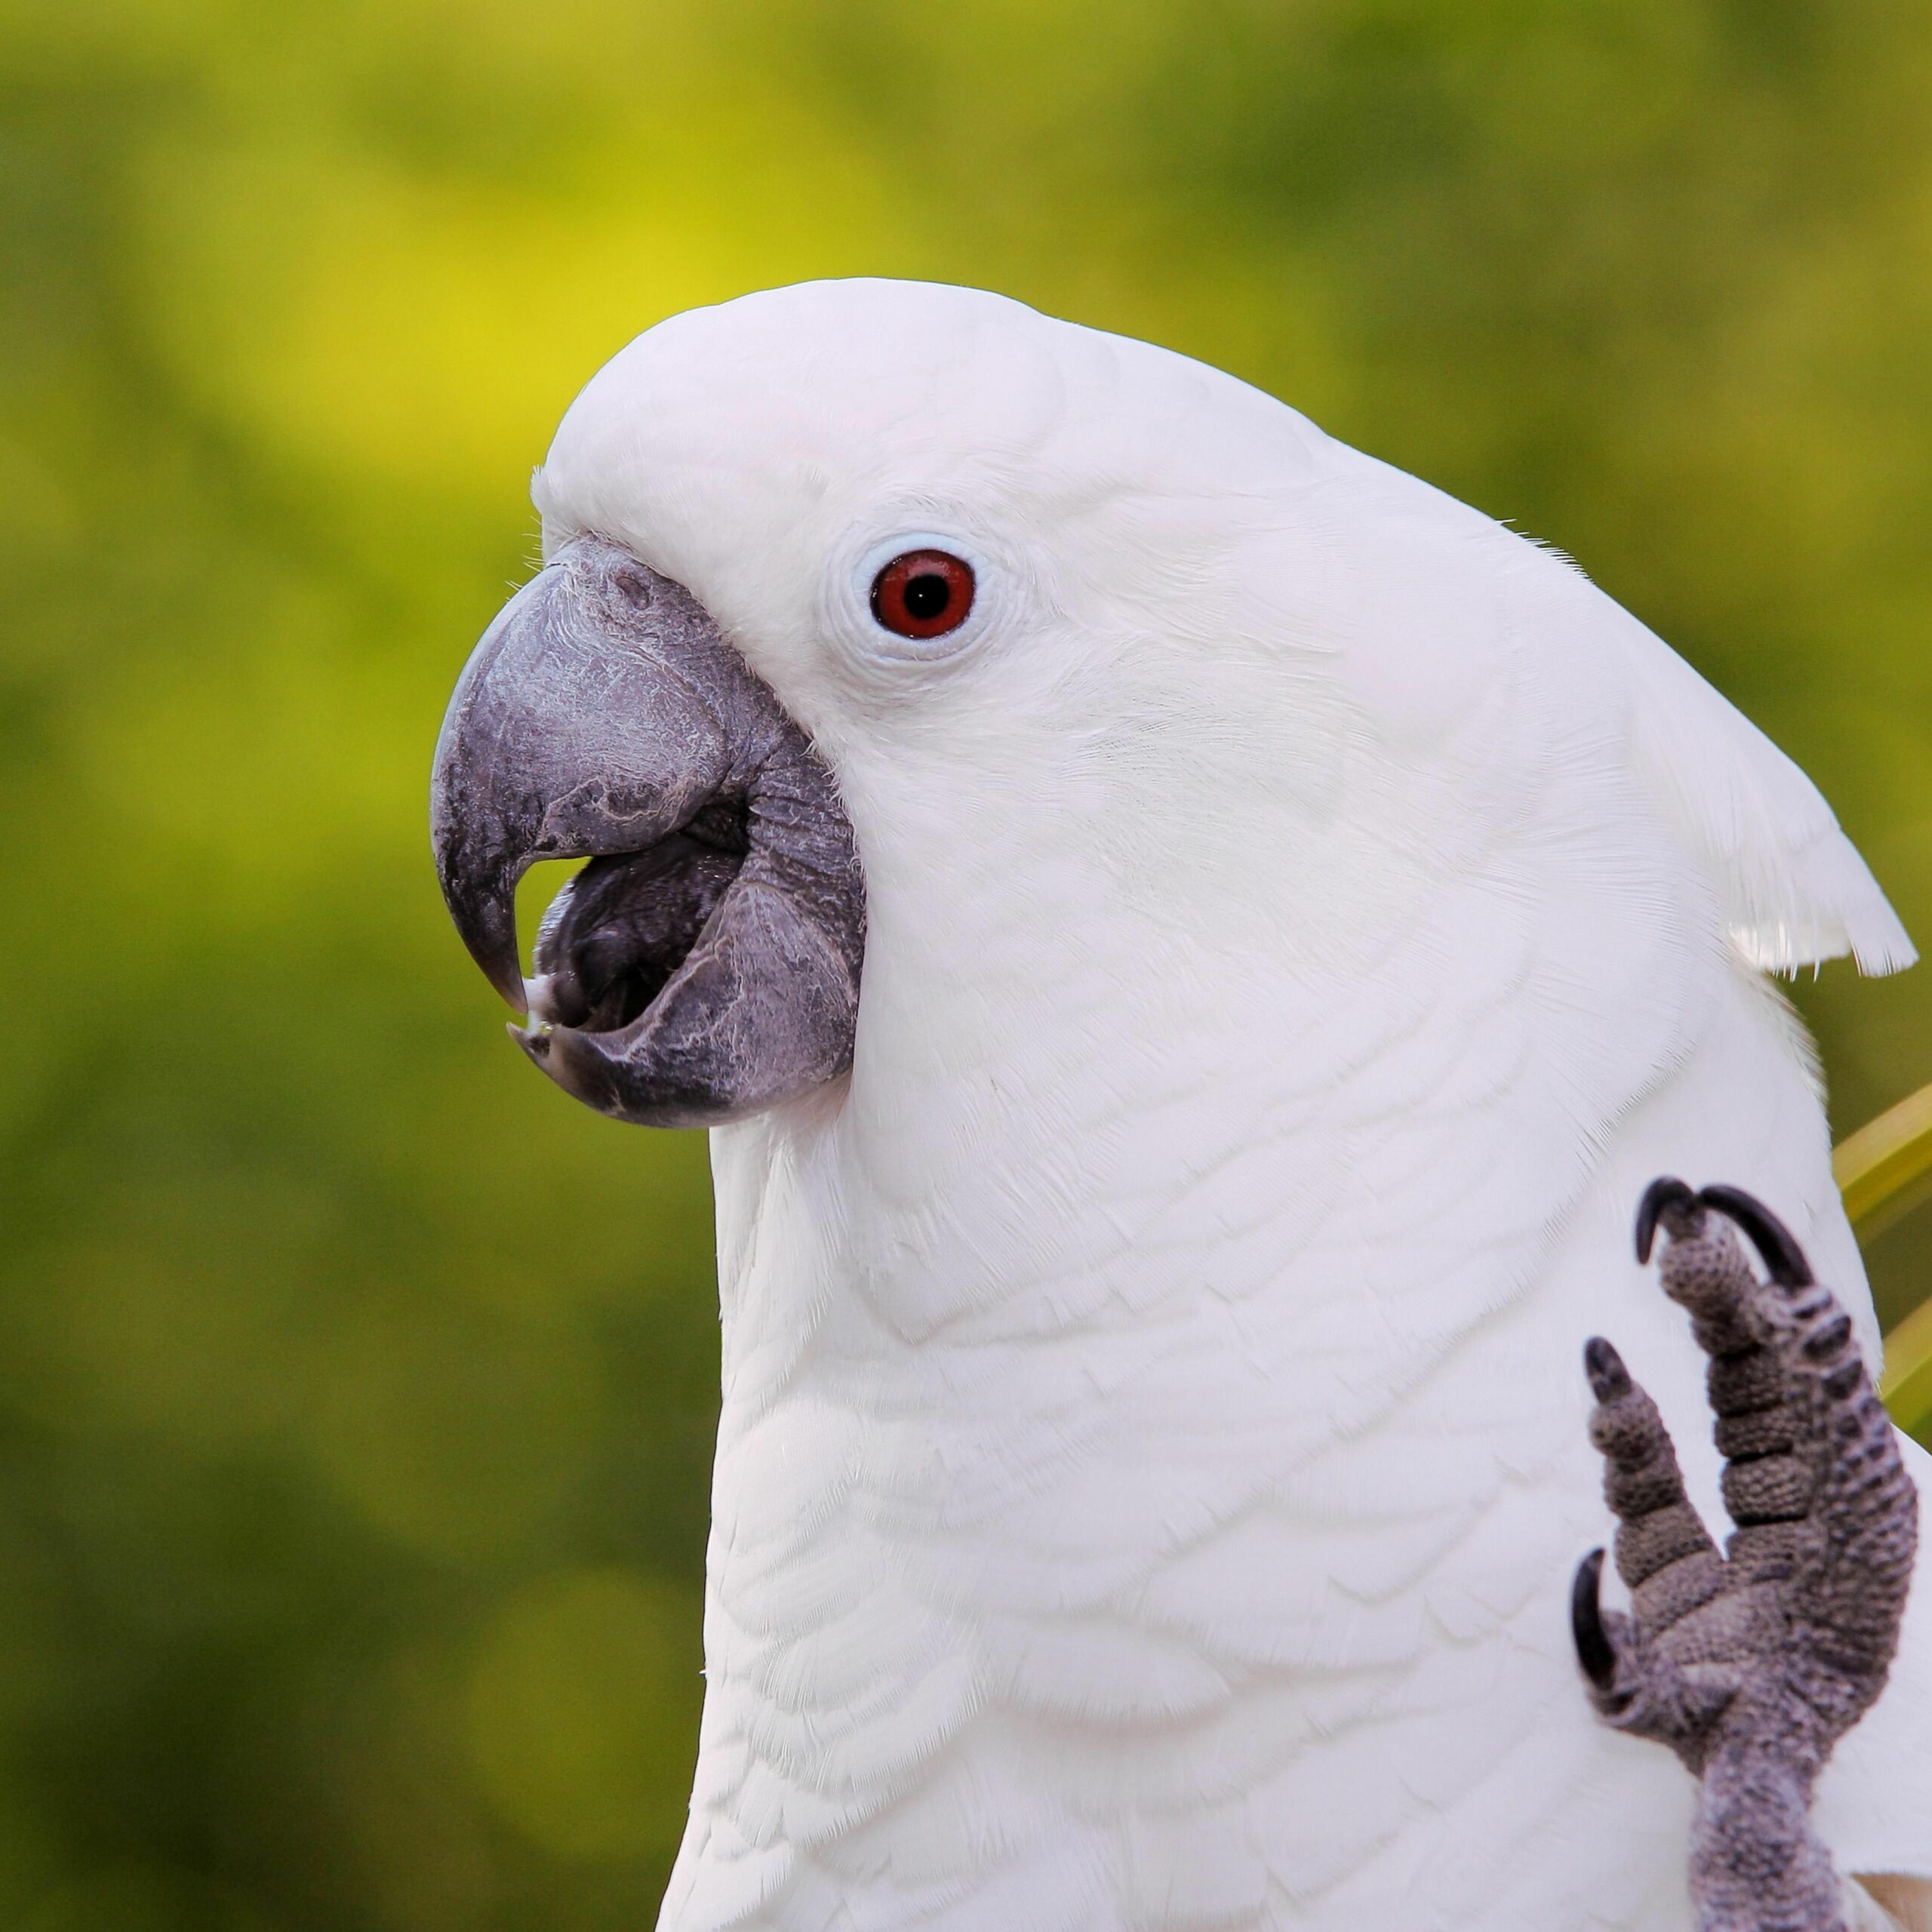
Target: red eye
923	594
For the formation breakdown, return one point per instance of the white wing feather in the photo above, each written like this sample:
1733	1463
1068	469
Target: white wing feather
1797	892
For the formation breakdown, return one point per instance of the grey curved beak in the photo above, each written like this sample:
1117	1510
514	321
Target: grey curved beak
705	964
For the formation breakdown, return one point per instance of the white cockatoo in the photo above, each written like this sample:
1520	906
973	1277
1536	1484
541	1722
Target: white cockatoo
1299	917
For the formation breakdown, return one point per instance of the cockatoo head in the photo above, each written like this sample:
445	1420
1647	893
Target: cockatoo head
1296	915
868	602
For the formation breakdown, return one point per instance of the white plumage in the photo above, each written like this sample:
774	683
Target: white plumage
1303	916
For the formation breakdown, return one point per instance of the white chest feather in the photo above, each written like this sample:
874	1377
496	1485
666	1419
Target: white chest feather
1147	1492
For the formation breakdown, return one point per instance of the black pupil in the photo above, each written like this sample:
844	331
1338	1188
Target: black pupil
927	596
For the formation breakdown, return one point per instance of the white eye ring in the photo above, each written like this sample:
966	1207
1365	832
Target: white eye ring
882	642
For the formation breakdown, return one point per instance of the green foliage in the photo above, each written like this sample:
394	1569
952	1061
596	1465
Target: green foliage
355	1389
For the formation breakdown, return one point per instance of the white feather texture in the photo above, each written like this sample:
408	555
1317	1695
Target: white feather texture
1304	916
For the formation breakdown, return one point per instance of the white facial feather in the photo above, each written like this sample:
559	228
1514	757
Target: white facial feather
1303	916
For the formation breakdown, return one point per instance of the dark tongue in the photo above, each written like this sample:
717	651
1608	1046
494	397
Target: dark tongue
624	924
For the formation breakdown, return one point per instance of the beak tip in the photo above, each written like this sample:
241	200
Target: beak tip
534	1041
503	975
482	906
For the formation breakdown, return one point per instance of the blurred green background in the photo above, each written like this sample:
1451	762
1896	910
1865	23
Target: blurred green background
356	1388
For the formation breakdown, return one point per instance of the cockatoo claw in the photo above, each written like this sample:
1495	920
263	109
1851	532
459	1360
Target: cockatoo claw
1594	1651
1751	1664
1776	1246
1604	1366
1665	1191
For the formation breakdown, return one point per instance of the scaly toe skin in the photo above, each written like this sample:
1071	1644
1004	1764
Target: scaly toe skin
1664	1554
1751	1665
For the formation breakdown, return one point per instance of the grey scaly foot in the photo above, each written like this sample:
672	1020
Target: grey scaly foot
1751	1664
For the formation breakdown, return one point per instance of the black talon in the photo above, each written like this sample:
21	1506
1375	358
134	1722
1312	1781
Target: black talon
1594	1649
1609	1378
1667	1191
1777	1248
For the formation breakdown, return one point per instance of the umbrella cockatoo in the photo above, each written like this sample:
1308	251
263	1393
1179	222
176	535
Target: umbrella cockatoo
1297	918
